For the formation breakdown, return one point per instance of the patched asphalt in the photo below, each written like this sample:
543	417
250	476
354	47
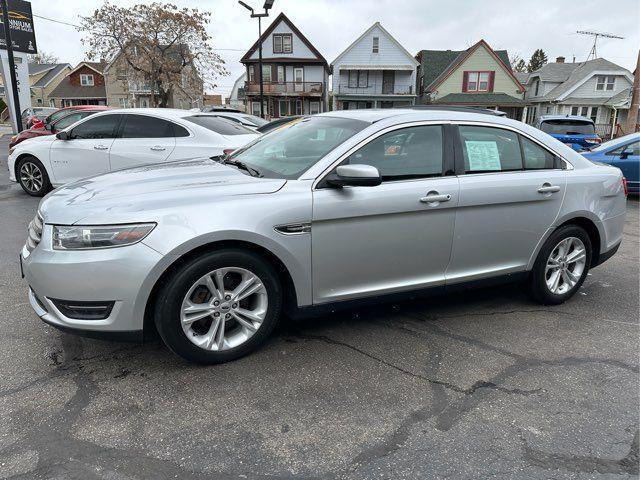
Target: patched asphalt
481	384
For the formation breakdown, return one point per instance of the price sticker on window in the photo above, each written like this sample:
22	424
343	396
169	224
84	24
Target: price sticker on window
483	155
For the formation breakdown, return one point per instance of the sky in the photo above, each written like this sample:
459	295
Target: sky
332	25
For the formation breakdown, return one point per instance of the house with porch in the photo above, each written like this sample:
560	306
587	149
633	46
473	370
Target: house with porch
478	77
596	89
375	71
84	85
294	73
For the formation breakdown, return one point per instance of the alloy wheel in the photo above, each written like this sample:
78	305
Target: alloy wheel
224	308
565	265
31	176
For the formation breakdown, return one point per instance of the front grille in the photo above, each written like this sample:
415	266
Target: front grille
34	232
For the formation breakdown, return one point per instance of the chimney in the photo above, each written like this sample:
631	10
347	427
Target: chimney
560	60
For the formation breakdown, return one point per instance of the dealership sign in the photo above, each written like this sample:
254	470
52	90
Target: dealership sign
22	33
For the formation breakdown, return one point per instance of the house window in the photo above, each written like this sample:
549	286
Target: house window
584	111
298	107
477	81
52	103
266	73
314	107
86	79
594	114
605	82
250	73
376	44
282	43
280	74
575	110
122	102
255	108
358	78
283	108
537	88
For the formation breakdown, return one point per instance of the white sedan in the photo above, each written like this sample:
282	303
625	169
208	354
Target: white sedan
117	139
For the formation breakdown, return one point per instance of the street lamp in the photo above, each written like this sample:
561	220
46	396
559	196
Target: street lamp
267	5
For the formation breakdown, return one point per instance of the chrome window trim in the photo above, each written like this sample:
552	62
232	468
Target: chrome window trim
568	164
371	138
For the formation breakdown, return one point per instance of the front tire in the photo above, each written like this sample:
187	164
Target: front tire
562	266
219	306
33	177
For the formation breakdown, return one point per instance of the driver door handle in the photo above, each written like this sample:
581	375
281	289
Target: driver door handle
435	197
100	147
158	148
548	188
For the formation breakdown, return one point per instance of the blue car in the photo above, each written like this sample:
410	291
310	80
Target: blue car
577	132
624	153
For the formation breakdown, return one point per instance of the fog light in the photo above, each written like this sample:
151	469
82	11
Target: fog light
83	310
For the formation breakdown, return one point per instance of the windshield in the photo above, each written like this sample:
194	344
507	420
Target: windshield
290	152
567	127
257	121
220	125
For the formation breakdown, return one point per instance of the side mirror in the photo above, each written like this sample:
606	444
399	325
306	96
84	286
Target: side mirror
62	135
624	154
47	126
355	176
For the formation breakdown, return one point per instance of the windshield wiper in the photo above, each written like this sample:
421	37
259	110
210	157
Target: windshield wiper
243	166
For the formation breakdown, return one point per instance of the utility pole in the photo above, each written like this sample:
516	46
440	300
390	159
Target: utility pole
267	6
632	115
12	65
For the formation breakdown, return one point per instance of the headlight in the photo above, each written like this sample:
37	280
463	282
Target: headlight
11	150
78	237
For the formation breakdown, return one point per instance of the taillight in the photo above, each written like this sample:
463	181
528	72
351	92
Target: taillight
228	151
593	140
625	186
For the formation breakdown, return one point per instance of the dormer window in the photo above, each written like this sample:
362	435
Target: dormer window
282	43
86	80
477	82
376	44
605	82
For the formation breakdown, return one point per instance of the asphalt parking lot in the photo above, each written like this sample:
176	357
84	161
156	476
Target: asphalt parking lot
484	384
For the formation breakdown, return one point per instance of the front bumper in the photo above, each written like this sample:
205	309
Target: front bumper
108	275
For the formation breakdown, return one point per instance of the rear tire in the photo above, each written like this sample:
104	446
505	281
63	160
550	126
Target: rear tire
33	177
561	266
228	325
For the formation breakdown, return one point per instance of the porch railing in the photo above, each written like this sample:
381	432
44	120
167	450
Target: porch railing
603	130
376	89
282	88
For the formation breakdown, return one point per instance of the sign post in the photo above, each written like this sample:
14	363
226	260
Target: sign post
19	37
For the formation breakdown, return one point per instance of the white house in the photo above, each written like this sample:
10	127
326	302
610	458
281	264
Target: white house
295	75
597	89
237	97
374	71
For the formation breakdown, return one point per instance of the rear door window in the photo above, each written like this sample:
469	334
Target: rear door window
488	149
223	126
143	126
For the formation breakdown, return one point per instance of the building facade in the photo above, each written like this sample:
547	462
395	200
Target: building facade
84	85
295	75
43	79
476	77
237	98
597	89
375	71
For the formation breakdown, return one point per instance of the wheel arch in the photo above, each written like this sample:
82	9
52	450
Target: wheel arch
290	294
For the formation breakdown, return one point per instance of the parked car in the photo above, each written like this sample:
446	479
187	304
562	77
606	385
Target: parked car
35	114
278	123
250	121
577	132
54	127
118	139
624	153
64	111
214	252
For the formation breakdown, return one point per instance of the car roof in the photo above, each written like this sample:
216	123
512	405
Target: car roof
166	113
372	115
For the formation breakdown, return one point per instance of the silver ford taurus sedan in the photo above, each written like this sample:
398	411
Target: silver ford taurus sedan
337	207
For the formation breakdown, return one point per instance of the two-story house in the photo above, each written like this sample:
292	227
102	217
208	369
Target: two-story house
478	76
597	89
126	90
84	85
43	79
375	71
294	74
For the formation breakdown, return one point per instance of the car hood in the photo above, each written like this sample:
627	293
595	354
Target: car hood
133	194
46	138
